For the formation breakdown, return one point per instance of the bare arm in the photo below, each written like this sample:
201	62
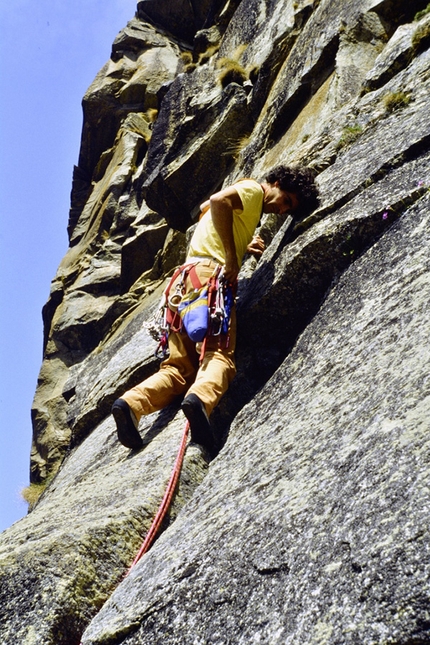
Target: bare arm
222	205
204	207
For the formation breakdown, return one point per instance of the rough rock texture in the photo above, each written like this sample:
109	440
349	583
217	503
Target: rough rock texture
311	524
91	536
320	531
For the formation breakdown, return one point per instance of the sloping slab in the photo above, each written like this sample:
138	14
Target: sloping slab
312	523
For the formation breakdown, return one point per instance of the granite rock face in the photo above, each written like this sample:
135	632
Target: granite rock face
310	525
319	531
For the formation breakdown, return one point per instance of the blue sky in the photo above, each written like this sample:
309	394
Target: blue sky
50	52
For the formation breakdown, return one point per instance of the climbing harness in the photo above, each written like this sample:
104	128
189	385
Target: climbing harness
204	311
167	317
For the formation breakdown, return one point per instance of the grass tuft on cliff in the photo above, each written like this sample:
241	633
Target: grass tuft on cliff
422	13
396	100
349	135
32	493
231	72
421	38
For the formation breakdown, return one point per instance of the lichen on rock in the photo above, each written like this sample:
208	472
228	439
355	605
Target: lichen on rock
310	525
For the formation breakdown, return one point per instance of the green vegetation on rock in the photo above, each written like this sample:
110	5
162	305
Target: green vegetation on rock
349	135
396	100
422	13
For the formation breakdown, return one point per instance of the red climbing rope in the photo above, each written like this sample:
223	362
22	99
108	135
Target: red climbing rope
164	506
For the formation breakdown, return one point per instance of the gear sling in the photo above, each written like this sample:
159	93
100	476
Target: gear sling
204	311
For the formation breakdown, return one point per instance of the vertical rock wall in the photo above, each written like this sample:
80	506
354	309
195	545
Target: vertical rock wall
310	526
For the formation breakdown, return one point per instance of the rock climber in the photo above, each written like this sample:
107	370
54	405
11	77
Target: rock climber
224	234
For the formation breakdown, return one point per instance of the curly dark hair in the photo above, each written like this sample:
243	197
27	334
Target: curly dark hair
299	180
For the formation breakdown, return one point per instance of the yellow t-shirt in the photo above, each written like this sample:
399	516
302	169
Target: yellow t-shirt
207	243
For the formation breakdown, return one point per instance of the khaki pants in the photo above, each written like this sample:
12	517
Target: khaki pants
181	374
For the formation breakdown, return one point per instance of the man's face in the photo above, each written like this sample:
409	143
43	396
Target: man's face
278	201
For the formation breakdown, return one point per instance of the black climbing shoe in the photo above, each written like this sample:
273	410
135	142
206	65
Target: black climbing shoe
201	431
125	425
